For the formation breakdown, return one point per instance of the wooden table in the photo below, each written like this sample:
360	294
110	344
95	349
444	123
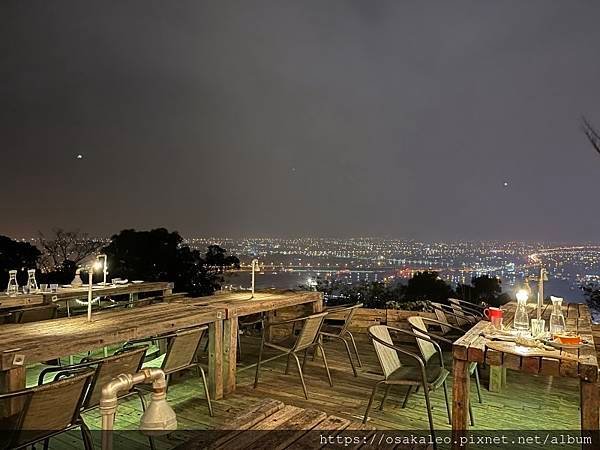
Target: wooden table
131	289
8	302
581	364
22	344
273	425
238	304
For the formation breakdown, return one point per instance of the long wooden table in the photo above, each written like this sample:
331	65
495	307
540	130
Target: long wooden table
581	364
238	304
22	344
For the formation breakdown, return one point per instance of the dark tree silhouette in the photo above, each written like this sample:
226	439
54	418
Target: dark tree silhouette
217	259
16	255
427	285
160	255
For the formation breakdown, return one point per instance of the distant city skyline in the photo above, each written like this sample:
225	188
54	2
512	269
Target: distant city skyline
428	120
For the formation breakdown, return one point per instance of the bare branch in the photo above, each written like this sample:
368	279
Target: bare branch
591	133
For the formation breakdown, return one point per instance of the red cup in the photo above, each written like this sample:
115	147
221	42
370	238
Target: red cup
492	313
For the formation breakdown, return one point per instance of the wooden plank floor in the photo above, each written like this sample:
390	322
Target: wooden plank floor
528	402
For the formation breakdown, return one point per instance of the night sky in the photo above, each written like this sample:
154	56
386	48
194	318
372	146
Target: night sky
428	120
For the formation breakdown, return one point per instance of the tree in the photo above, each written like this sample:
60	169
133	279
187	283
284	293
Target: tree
15	255
160	255
215	259
427	285
66	247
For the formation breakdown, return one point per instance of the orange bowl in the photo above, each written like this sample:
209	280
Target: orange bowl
570	339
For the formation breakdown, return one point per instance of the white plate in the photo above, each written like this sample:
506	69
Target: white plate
137	281
66	286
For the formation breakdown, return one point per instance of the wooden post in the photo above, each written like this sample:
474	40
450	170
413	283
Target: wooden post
460	403
215	359
230	336
497	378
11	380
590	422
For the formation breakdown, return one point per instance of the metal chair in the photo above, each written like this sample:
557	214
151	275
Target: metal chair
478	307
333	329
419	325
34	314
181	354
461	320
43	412
106	369
308	337
428	373
462	307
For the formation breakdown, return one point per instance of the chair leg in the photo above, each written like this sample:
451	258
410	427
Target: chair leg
304	358
47	442
142	400
86	435
429	415
349	355
301	374
477	384
206	393
447	403
385	396
287	365
239	346
260	352
326	365
471	414
371	401
408	391
355	349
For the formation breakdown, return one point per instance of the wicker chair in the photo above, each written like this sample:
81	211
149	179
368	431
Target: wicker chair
34	314
461	320
428	373
465	308
420	325
106	369
45	411
332	328
181	354
308	337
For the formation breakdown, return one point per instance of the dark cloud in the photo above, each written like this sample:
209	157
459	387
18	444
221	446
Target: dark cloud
301	118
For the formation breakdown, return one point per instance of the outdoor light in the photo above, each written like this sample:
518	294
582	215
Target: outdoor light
522	295
104	258
255	268
89	264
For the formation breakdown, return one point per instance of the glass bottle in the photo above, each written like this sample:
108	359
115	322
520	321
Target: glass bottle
32	285
521	320
13	286
557	319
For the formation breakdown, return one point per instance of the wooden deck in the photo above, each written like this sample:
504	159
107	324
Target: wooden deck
528	402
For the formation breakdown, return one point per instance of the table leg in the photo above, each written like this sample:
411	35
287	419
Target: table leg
497	378
318	306
11	380
460	402
230	337
590	421
215	359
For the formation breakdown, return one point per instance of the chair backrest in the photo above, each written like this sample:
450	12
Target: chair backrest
388	357
345	313
420	329
42	410
441	316
310	331
111	367
182	348
464	308
36	314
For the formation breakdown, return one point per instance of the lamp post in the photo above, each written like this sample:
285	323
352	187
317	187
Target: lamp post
104	258
95	266
254	269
